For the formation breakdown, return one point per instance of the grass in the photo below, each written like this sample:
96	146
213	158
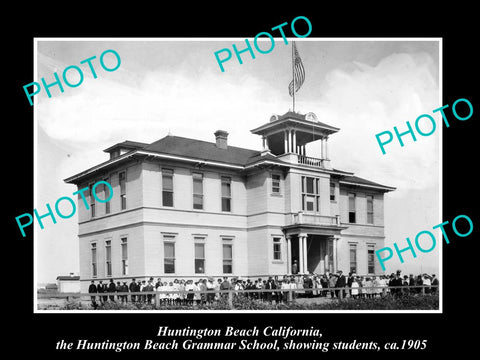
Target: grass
406	302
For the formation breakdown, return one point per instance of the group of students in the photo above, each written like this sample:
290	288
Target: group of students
335	285
394	284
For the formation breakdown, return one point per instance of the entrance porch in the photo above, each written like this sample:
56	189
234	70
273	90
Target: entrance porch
312	250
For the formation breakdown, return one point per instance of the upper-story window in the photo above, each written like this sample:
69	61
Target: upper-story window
167	187
310	194
197	190
106	192
332	191
275	184
92	201
122	179
351	208
369	209
226	193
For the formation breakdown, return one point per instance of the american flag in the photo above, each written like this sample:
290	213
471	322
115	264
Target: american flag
298	72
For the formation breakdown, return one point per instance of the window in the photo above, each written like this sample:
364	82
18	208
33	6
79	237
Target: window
167	187
123	193
197	191
332	191
227	259
275	184
169	257
277	248
124	245
371	259
92	201
351	208
106	192
310	194
108	257
199	258
226	193
94	259
353	258
369	209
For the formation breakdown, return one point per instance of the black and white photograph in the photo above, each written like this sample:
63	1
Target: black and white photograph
230	181
191	176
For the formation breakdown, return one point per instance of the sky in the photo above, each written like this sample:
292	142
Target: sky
176	86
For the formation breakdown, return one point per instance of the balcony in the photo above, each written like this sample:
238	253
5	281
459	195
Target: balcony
315	219
311	161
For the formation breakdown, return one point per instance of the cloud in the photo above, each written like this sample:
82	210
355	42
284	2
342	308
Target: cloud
102	110
372	99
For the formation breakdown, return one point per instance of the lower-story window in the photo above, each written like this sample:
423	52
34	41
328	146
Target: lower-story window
277	248
169	257
371	259
353	258
227	258
199	258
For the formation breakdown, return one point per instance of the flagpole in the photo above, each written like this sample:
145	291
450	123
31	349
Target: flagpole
293	74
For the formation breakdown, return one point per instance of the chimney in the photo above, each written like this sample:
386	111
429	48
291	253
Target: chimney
221	139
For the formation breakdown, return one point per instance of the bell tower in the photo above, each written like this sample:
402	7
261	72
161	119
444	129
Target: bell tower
286	136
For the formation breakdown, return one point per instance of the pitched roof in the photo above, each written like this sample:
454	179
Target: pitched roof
208	151
68	277
201	150
355	180
127	144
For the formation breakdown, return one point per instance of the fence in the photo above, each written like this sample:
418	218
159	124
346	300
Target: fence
289	295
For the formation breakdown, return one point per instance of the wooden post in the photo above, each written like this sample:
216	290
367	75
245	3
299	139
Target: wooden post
157	299
290	296
230	299
340	293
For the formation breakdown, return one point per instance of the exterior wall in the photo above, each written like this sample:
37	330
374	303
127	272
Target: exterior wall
184	239
335	204
257	215
183	188
361	242
295	191
136	254
361	206
360	233
133	193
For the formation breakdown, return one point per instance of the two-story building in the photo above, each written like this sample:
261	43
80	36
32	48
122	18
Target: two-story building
185	208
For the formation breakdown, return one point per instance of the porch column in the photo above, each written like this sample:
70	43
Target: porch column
263	142
326	148
305	251
300	253
302	246
321	149
289	254
294	141
285	141
335	262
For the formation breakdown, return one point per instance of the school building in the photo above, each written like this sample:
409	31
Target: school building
186	208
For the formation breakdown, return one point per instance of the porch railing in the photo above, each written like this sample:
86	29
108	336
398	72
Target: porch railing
307	160
315	219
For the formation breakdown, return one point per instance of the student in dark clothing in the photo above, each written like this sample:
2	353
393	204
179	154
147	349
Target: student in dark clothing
419	284
111	289
101	288
269	285
133	288
124	291
92	289
341	282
